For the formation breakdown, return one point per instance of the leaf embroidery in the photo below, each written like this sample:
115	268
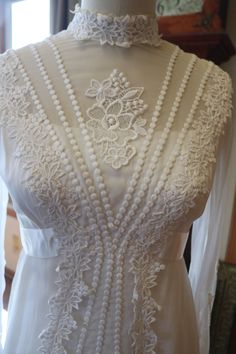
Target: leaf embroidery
116	118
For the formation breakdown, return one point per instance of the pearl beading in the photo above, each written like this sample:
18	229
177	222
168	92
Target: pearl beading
68	130
172	159
151	203
66	162
155	158
149	173
97	171
105	199
140	162
100	217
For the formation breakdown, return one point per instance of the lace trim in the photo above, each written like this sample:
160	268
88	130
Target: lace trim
123	31
199	163
172	209
145	338
146	270
116	118
35	142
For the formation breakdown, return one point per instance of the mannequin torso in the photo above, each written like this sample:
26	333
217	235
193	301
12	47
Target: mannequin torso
120	7
102	163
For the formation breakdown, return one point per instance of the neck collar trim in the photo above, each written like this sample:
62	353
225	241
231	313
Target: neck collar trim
123	31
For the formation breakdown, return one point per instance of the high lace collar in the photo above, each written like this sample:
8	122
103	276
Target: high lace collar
123	31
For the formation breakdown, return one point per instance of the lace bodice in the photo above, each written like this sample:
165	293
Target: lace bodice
70	147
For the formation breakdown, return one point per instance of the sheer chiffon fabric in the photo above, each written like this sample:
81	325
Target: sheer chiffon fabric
27	310
207	238
102	269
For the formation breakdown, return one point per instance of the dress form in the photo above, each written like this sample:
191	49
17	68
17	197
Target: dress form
120	7
62	70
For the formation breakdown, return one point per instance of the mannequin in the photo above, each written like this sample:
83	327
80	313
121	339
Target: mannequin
120	7
114	134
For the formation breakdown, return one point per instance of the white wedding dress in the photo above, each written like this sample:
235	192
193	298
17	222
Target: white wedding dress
108	150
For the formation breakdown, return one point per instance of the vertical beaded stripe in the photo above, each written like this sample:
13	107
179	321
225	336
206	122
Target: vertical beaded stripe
151	203
50	344
144	186
105	199
171	161
160	147
97	171
100	217
140	162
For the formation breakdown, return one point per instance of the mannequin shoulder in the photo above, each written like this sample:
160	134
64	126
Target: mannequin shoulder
201	64
215	104
8	63
11	58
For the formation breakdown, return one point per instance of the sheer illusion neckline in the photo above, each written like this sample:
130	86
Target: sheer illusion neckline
123	31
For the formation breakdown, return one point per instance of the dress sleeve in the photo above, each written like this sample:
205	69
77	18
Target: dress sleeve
4	79
209	229
3	214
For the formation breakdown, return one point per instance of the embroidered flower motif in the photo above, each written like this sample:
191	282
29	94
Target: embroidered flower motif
101	90
116	118
102	33
118	157
122	31
109	124
145	306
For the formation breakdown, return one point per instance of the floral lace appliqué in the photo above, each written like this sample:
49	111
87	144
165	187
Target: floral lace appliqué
116	118
146	269
122	31
45	178
145	306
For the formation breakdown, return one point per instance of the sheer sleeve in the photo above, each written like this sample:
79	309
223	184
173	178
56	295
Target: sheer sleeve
3	214
4	80
209	229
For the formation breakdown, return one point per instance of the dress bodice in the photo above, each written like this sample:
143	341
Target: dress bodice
109	157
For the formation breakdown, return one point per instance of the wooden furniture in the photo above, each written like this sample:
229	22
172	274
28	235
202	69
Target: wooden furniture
201	33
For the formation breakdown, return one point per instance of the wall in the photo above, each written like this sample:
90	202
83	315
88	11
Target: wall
12	243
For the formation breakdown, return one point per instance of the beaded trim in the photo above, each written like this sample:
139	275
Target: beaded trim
65	205
140	162
69	131
149	240
123	31
160	147
94	198
139	230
